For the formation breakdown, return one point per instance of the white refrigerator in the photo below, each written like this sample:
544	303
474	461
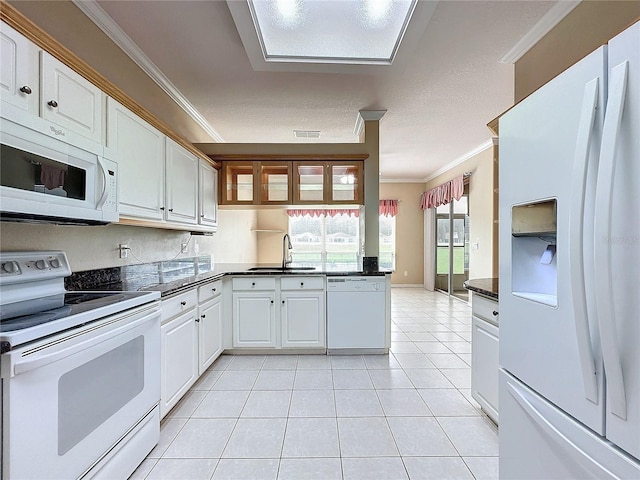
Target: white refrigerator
569	382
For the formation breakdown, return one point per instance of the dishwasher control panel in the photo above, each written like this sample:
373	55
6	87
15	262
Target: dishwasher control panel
356	284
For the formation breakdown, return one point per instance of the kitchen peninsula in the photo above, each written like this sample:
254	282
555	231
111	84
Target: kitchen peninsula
210	308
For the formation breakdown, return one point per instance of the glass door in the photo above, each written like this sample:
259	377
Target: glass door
452	247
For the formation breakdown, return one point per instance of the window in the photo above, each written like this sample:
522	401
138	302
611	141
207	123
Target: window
387	242
331	240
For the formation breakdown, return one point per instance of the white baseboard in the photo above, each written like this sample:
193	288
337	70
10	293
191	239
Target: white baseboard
407	285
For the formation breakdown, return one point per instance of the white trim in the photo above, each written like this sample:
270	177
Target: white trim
459	160
406	285
98	16
400	180
549	20
367	116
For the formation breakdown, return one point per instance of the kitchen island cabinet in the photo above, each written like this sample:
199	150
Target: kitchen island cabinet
484	345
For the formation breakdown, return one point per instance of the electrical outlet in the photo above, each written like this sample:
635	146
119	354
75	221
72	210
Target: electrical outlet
183	247
124	250
406	274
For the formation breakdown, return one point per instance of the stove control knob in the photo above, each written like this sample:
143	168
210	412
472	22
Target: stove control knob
55	263
41	264
10	267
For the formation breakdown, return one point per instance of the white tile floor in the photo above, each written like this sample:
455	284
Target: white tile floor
406	415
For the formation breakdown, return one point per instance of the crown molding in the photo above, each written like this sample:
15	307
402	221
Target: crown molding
460	160
367	116
549	20
98	16
400	180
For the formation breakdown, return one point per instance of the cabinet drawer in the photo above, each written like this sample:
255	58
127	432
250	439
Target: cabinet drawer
180	303
254	283
296	282
484	308
209	290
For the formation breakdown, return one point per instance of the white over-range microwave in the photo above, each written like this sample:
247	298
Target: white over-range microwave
44	177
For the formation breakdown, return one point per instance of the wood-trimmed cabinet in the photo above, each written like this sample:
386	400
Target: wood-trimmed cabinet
292	182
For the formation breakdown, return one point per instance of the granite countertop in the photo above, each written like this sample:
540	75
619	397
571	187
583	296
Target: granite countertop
483	286
172	276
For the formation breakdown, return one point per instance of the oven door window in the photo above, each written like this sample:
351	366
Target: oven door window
92	393
34	173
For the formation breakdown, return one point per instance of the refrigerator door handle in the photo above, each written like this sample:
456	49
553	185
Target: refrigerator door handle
616	398
576	227
571	449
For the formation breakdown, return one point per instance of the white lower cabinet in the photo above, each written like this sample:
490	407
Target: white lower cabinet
302	312
484	355
209	324
279	312
179	349
191	333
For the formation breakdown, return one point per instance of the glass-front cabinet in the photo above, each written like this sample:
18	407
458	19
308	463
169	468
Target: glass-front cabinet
309	182
346	182
303	182
237	181
275	183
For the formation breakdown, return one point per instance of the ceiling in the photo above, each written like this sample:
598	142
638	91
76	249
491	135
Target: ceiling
438	100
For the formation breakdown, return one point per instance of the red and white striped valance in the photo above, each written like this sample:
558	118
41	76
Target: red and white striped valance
443	194
388	208
321	212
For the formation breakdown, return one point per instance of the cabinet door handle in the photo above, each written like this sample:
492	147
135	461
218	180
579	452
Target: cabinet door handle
171	209
213	289
198	320
253	284
52	103
183	303
302	284
283	302
495	313
202	216
162	208
203	316
26	89
271	301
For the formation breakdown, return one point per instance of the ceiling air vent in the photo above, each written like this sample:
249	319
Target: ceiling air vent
306	133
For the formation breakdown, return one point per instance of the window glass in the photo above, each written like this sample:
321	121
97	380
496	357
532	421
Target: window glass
333	241
387	242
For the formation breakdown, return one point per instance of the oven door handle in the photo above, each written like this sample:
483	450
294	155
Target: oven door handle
58	354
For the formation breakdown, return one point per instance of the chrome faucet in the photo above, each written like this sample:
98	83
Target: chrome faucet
286	244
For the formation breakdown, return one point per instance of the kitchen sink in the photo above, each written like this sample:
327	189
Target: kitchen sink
279	269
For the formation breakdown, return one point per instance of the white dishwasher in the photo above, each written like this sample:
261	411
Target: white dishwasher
356	314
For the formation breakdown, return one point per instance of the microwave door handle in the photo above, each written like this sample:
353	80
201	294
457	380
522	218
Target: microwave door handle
616	399
94	341
576	227
105	190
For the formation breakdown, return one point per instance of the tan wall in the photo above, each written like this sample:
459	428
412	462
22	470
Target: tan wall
409	231
481	201
589	25
270	243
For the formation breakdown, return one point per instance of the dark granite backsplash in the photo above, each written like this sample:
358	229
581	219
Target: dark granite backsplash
135	277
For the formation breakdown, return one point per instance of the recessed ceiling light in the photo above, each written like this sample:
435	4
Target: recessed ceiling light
331	31
306	133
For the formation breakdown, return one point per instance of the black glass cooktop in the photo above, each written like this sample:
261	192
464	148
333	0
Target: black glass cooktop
29	313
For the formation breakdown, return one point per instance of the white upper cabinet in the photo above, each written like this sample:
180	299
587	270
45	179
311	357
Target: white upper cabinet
70	100
138	148
182	184
208	201
19	80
